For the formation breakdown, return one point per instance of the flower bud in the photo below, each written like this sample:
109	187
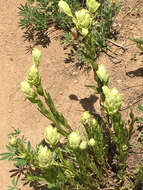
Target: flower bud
33	76
124	148
51	135
28	90
92	5
74	139
112	101
102	73
13	141
45	157
64	7
91	142
83	145
85	117
36	53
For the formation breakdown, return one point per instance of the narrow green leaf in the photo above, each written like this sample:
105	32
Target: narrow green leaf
13	181
5	157
4	154
140	120
140	107
29	147
93	87
137	40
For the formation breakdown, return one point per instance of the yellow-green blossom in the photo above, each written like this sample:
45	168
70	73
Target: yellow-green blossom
85	117
83	145
28	90
51	135
94	122
36	53
74	139
33	76
102	73
13	141
91	142
124	147
112	102
64	7
92	5
82	21
45	157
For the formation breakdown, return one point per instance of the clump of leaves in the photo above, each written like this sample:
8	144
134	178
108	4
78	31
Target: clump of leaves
40	14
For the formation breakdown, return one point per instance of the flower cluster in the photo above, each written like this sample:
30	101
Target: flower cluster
75	141
83	18
32	77
45	157
51	135
112	101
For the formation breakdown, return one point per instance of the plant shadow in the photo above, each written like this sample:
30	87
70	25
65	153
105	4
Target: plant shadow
37	38
136	73
86	103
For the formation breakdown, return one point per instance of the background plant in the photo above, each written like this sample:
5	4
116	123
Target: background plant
39	15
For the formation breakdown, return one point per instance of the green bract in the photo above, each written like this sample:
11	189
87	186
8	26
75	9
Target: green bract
91	142
74	139
82	21
64	7
102	73
83	145
45	157
36	53
33	76
28	90
113	101
85	117
92	5
51	135
94	122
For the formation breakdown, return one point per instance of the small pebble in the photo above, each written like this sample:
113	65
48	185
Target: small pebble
61	93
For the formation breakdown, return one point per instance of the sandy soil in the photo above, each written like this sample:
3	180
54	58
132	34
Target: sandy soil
66	84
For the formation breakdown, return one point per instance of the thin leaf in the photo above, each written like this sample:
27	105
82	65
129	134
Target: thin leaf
140	120
137	40
4	154
5	157
140	107
29	147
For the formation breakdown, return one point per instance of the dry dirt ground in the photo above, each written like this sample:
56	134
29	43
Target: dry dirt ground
63	81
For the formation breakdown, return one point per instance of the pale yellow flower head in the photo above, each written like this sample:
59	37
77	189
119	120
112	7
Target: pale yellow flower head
45	157
113	101
92	5
91	142
85	117
33	76
36	53
83	20
102	73
51	135
74	139
83	145
13	141
28	90
64	7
